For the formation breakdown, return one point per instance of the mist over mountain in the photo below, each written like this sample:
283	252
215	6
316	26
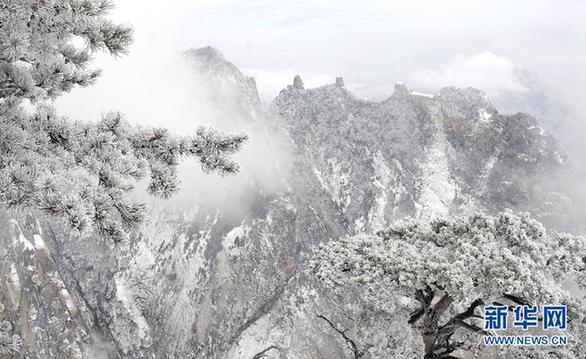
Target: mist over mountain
223	276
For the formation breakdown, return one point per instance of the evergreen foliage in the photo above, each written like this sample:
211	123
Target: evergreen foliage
81	171
438	275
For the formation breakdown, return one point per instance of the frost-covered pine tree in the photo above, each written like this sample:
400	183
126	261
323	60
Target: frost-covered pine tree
80	171
9	343
437	277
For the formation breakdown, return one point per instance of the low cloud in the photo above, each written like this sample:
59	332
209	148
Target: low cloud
495	75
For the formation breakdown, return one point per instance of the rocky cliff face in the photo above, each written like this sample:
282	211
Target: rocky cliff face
216	280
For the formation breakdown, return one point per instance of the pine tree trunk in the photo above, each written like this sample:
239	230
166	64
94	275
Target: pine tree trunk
429	332
428	343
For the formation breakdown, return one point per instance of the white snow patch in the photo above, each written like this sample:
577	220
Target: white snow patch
26	244
39	243
487	170
484	116
359	224
416	93
254	341
144	257
538	127
382	180
438	190
489	165
320	178
68	300
65	296
125	296
13	284
337	183
229	244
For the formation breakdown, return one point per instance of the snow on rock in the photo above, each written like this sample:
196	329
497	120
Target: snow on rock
69	302
339	183
484	116
437	188
229	243
26	244
18	238
40	245
359	224
65	295
13	284
176	290
382	181
124	295
416	93
336	181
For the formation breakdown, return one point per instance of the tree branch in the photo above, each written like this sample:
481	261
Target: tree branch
351	344
447	330
425	299
515	299
474	328
443	304
263	354
416	315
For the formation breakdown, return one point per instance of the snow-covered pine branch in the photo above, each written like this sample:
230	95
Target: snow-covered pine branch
448	269
84	171
9	343
81	171
47	46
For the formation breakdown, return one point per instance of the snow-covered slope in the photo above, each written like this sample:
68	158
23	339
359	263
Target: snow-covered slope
216	281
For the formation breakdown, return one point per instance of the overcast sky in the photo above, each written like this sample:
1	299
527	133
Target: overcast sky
503	47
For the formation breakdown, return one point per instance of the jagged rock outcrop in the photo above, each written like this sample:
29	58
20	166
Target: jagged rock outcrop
298	83
226	279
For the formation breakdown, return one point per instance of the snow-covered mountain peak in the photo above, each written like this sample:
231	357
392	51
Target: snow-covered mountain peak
210	62
227	280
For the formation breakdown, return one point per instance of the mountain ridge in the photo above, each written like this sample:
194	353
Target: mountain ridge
217	281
